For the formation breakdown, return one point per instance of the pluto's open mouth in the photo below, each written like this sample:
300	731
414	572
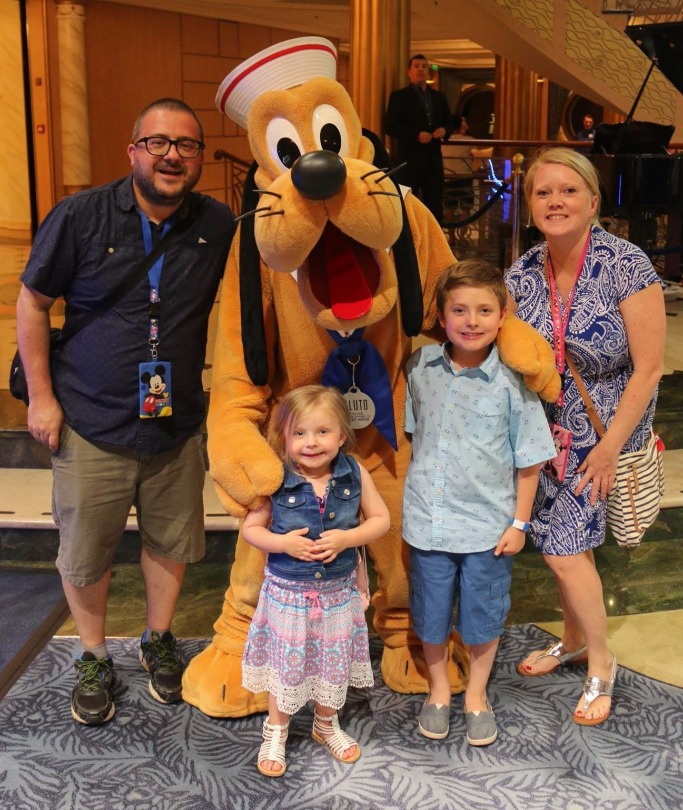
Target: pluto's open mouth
343	274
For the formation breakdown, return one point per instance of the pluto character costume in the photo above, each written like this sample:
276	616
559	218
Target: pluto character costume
327	281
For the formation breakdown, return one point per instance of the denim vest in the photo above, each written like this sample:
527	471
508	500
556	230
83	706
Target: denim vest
295	506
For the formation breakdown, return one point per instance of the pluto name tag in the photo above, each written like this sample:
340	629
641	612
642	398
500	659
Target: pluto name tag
361	407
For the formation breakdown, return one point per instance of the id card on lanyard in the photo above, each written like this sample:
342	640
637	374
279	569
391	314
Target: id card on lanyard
556	467
154	376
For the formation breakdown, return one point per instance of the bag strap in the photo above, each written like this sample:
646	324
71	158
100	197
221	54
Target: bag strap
591	410
74	325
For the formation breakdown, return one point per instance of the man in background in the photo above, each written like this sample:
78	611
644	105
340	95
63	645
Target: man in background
588	131
419	119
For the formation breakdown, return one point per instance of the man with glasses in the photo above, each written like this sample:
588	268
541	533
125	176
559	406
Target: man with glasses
121	404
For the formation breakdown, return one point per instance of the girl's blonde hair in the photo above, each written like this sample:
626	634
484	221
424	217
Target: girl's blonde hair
565	156
299	403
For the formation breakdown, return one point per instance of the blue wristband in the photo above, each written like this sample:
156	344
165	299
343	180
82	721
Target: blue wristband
520	524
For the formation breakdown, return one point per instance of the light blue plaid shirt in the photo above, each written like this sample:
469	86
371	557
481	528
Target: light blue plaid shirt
471	430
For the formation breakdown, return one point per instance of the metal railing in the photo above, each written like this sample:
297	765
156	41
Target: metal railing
490	219
235	171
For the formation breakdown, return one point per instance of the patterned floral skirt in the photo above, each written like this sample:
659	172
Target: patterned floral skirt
307	641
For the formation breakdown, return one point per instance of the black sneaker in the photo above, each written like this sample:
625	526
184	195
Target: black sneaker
159	656
91	697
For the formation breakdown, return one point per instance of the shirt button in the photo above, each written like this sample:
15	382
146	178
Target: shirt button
110	250
291	499
318	574
332	514
347	492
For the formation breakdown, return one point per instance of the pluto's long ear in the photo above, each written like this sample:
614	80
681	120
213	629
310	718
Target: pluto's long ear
251	304
405	257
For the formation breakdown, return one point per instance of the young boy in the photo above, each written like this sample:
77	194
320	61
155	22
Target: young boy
479	437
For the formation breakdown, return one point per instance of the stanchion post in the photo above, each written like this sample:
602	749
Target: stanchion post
517	199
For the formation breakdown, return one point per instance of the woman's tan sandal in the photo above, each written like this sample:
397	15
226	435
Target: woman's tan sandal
556	651
326	731
273	748
594	688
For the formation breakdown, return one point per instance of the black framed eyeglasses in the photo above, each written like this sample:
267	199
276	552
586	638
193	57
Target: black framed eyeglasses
159	146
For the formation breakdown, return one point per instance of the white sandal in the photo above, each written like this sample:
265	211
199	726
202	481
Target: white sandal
273	748
336	740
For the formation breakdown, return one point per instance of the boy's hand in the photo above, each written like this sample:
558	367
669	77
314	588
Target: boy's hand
300	547
512	542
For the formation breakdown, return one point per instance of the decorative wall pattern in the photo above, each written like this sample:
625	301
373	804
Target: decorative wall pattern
606	52
535	14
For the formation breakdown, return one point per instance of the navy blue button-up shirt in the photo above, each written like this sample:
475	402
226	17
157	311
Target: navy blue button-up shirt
86	246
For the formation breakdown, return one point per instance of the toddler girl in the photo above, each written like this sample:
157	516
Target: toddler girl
308	639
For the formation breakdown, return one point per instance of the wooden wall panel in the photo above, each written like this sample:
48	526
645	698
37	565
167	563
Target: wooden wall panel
133	56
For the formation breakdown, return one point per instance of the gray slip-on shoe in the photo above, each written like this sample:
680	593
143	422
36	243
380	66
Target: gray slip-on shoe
481	727
433	720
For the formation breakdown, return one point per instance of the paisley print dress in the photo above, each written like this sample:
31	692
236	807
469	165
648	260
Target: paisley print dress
614	269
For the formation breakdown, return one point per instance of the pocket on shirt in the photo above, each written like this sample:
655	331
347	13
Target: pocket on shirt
290	500
346	492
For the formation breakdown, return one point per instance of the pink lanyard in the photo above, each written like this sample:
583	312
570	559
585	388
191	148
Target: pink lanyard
561	321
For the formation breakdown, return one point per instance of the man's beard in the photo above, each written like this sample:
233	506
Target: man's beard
153	194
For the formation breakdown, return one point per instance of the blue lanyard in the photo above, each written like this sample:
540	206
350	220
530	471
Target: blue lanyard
154	272
154	275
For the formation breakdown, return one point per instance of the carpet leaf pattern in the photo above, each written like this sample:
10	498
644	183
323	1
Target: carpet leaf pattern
176	758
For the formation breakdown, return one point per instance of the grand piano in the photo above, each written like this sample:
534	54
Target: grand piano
637	172
640	179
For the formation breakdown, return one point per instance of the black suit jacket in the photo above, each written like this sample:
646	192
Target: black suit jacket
406	118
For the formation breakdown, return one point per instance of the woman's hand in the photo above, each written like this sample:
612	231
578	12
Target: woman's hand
599	468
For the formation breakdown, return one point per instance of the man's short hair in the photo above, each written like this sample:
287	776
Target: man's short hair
413	58
171	104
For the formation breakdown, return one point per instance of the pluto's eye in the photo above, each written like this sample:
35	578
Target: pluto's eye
288	152
329	129
284	142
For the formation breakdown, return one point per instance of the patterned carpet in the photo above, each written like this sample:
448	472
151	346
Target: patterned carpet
175	758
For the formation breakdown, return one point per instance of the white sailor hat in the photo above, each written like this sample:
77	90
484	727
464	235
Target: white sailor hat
279	67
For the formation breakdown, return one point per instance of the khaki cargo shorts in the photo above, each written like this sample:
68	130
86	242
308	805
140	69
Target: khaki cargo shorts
93	492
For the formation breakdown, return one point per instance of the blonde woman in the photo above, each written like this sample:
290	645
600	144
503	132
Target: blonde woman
597	298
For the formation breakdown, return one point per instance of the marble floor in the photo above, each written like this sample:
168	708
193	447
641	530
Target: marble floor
643	588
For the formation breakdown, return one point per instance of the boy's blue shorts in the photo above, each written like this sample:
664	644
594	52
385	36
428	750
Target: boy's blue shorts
482	582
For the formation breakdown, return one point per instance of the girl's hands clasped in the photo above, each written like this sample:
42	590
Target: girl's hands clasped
301	548
331	542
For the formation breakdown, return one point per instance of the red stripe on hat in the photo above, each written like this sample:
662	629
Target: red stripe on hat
266	59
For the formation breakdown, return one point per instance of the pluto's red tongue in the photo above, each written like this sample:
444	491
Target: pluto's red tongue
350	296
